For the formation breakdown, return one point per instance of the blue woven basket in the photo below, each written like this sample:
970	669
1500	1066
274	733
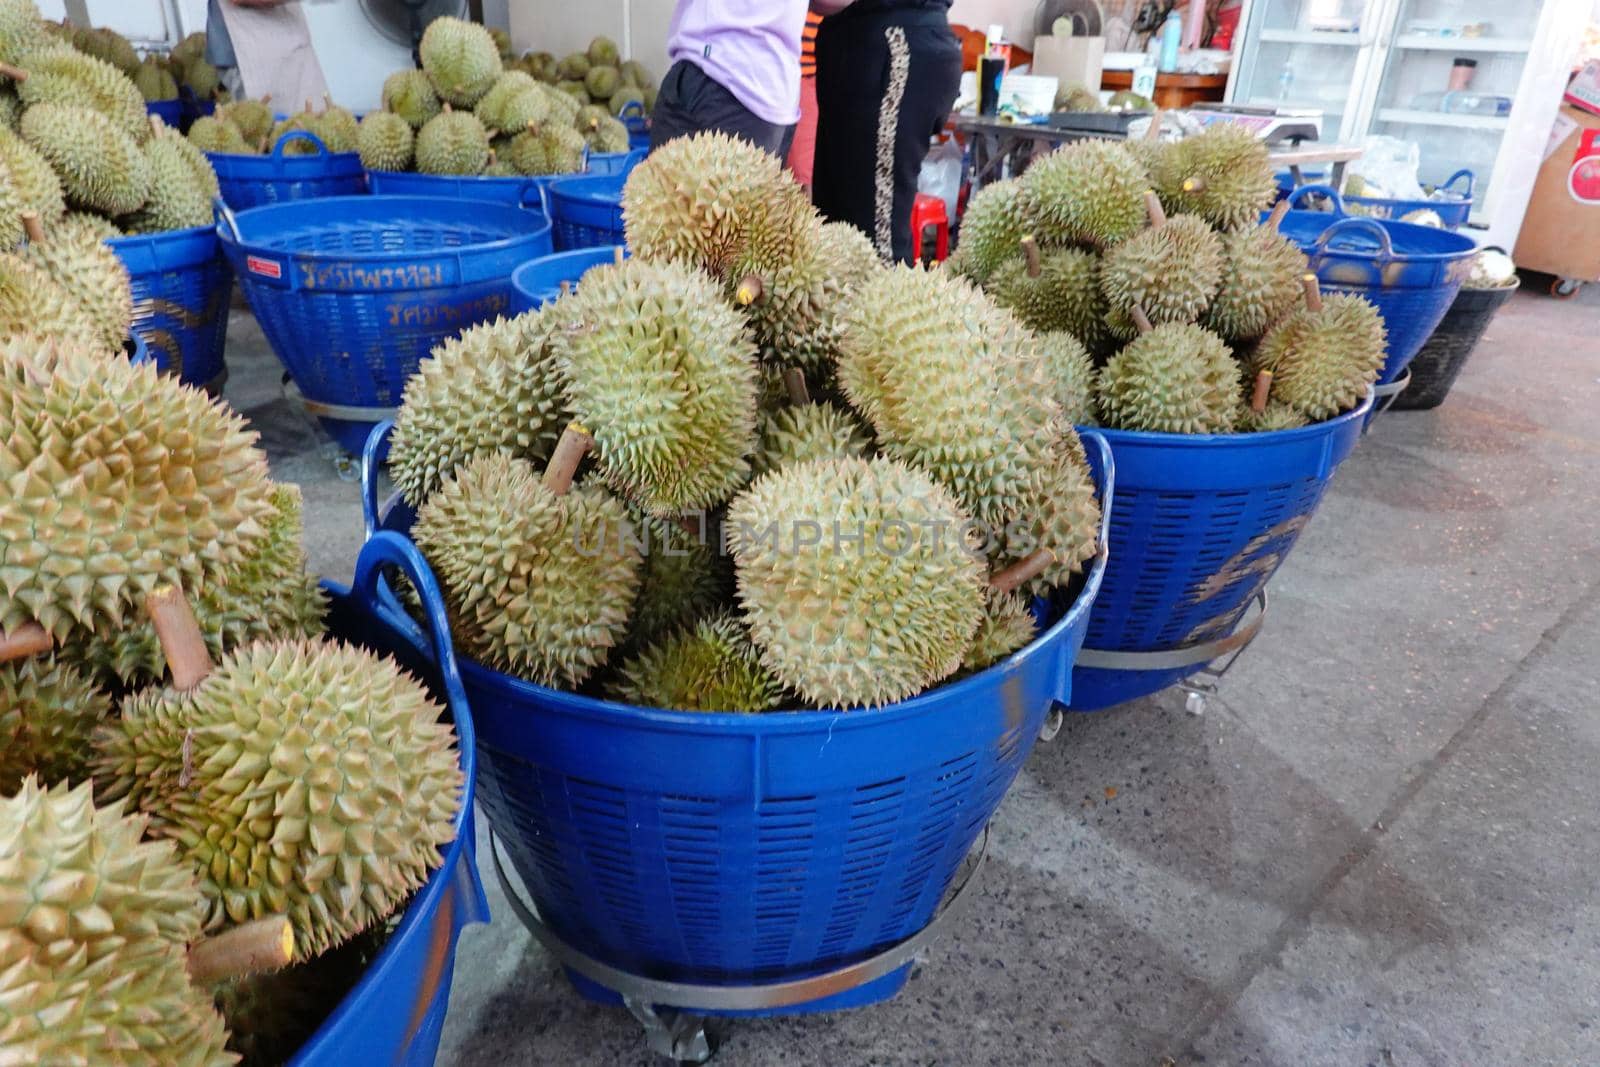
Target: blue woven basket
522	191
138	352
354	292
587	211
1453	208
170	111
1411	273
737	850
638	123
538	281
395	1014
613	162
1199	524
193	106
250	181
181	290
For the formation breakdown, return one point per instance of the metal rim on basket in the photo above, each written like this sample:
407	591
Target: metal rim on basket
1172	659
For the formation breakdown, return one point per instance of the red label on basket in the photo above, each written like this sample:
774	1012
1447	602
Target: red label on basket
268	268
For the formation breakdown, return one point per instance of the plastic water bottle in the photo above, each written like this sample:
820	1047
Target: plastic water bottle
1285	81
1171	37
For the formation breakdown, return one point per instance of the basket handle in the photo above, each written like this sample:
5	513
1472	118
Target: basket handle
298	135
535	194
371	466
1319	190
632	109
1104	462
1349	225
1472	182
225	217
632	159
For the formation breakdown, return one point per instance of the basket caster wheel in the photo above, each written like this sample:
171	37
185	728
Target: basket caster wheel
1052	725
1195	704
1565	288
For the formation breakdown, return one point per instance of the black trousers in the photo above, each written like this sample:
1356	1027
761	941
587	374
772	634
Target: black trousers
690	101
885	85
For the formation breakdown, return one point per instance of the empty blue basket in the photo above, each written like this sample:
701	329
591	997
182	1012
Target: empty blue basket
587	211
250	181
522	191
778	862
539	281
181	290
354	292
1199	525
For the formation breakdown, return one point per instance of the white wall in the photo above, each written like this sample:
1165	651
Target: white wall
1015	15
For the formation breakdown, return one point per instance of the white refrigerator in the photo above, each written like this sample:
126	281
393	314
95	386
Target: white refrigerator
1396	67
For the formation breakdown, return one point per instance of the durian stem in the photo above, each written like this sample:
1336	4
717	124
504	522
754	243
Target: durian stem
267	99
1025	569
29	639
16	74
256	946
1279	210
1152	207
156	125
750	290
1030	249
1140	319
33	227
574	444
617	255
1194	184
1313	292
794	379
1152	132
1258	399
566	287
261	146
311	106
180	637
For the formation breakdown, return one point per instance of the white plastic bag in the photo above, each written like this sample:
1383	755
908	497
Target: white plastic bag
941	174
1388	167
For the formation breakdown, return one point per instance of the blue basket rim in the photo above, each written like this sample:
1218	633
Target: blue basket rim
128	240
1399	231
805	720
1219	440
244	244
577	186
600	254
411	175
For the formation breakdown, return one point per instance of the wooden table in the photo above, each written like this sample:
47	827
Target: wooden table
1292	158
1174	92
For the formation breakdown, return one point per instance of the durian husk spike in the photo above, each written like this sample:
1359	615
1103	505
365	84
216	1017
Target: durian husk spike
1279	211
1140	319
794	380
179	633
16	74
1030	250
33	227
29	639
574	445
751	289
1153	208
1024	570
251	948
1313	292
1152	132
1263	391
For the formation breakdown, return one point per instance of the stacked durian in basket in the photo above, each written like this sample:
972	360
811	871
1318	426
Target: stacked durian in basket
1191	313
210	812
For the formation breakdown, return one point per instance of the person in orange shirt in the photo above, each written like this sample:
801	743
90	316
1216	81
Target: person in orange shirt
803	150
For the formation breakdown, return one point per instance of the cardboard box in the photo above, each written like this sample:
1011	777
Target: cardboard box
1070	60
1561	231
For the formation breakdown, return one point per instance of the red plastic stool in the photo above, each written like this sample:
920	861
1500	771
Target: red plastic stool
930	211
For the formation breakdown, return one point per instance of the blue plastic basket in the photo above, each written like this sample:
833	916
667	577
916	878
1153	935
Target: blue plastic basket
538	281
250	181
170	111
1199	525
354	292
1453	209
737	850
193	106
611	163
138	352
587	211
522	191
395	1014
638	123
1411	273
181	290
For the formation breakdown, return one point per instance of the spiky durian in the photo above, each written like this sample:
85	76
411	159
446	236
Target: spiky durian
1072	373
62	76
1008	624
1171	270
32	303
1060	514
634	73
996	221
10	107
563	108
709	667
1088	191
1275	416
538	584
385	141
574	67
494	388
499	168
872	619
531	106
684	578
21	29
549	148
660	369
623	98
155	82
607	135
48	712
798	433
460	59
337	128
253	118
304	778
121	480
603	52
86	222
107	44
178	200
192	45
602	81
93	949
575	89
1225	176
204	174
1260	282
211	134
491	108
100	167
1057	291
409	94
93	276
36	186
1176	378
1160	162
1323	357
453	142
202	78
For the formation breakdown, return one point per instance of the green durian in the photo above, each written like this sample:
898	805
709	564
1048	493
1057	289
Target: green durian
575	90
998	218
337	128
542	65
1324	356
10	108
1077	97
499	168
178	200
602	81
36	186
253	118
531	106
1171	270
93	276
61	76
549	148
94	949
202	78
301	777
100	167
1008	625
155	82
603	52
799	433
1275	416
21	30
210	134
502	41
453	142
1088	191
48	712
1160	162
409	94
860	622
574	67
1225	176
564	107
608	135
628	94
85	222
33	304
1176	378
1260	282
634	74
191	46
385	142
684	578
1056	291
709	667
491	108
460	59
795	285
1072	373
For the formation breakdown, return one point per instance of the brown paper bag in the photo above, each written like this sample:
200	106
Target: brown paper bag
1073	60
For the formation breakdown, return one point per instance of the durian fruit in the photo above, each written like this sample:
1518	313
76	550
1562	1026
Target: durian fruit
94	946
603	52
563	106
1260	280
108	45
491	109
92	275
884	600
65	77
1171	270
10	108
661	370
1054	291
1077	97
86	222
539	580
305	778
460	59
799	433
453	142
547	148
1008	625
385	142
182	187
574	67
531	106
409	94
1060	517
35	307
602	81
574	89
628	94
191	46
1160	162
1324	356
21	29
607	135
1090	192
34	183
202	78
48	712
1276	415
499	168
336	127
709	667
1072	372
1175	378
1225	176
121	480
502	41
253	118
211	134
633	73
997	219
542	65
494	388
155	82
684	578
100	167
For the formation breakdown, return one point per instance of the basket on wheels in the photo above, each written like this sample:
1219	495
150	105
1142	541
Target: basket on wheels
539	281
1199	525
587	211
753	864
250	181
181	290
354	292
1436	367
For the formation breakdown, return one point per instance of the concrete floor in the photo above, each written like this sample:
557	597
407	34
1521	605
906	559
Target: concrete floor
1375	847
